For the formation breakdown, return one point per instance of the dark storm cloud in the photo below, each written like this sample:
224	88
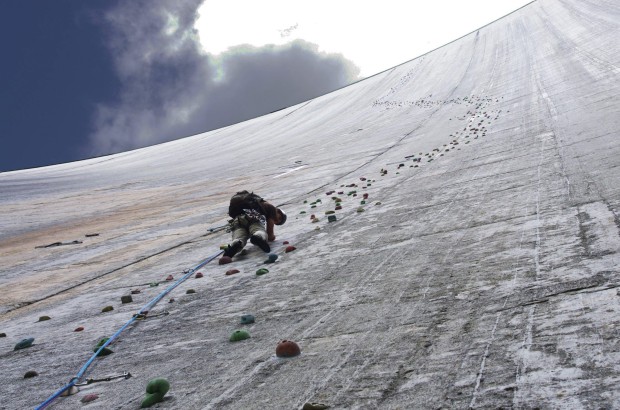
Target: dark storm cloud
171	88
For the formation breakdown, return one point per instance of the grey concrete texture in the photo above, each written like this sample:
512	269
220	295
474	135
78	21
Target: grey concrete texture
482	273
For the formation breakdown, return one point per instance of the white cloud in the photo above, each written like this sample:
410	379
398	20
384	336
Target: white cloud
171	88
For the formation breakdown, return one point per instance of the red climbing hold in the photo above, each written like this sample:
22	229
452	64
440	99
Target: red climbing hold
89	397
225	259
362	179
289	249
232	272
287	348
169	277
365	196
79	329
199	275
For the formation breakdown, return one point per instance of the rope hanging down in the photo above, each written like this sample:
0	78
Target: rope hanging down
141	313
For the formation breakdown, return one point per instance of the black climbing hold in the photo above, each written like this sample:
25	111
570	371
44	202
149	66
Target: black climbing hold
2	334
271	258
44	318
331	218
190	291
126	299
30	374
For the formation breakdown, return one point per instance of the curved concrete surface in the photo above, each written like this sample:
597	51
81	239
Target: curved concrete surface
487	277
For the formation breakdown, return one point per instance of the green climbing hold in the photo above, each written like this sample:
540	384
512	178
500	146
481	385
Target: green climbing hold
331	218
329	212
239	335
44	318
153	284
302	212
107	309
360	209
363	202
247	319
24	343
105	351
156	389
262	271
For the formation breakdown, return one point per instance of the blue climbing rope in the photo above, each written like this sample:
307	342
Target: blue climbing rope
144	309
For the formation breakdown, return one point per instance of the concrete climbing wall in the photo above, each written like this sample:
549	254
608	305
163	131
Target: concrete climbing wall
473	261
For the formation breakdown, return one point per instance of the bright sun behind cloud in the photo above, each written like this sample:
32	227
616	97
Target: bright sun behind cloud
374	35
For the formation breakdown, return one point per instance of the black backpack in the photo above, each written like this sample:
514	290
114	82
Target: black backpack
245	200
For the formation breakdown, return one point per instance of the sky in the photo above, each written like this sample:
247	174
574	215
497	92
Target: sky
80	79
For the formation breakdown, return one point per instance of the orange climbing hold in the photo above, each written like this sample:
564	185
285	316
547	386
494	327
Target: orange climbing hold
289	249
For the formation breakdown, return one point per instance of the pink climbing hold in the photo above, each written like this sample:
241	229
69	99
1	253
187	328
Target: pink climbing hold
232	272
89	397
79	329
199	275
169	277
289	249
224	260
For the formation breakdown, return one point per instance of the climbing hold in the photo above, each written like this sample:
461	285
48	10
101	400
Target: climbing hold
171	300
153	284
44	318
365	196
135	291
190	291
314	406
318	228
312	216
262	271
70	392
329	212
302	212
156	389
338	208
340	192
126	299
2	334
199	275
231	272
287	348
289	249
223	247
239	335
169	277
285	243
30	374
305	202
107	309
360	209
271	258
331	218
247	319
224	260
105	351
363	202
377	203
315	220
79	329
89	397
362	179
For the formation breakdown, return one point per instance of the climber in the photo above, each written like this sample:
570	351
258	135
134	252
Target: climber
254	218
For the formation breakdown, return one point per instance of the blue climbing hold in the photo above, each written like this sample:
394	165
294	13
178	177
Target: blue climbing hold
24	343
247	319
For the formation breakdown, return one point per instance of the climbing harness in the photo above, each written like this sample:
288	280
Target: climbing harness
70	388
